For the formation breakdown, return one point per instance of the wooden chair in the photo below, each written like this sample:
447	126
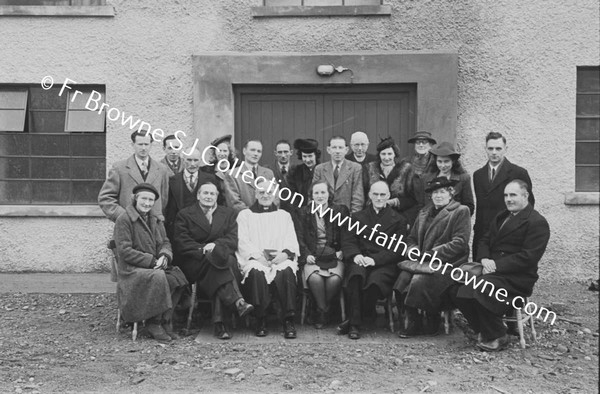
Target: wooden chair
114	269
195	300
521	319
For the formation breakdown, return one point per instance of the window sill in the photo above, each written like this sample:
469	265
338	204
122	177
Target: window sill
57	10
93	211
284	11
582	198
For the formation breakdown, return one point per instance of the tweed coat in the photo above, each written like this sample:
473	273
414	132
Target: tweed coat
172	169
306	230
181	197
142	291
385	271
192	233
300	178
463	192
404	186
516	249
348	190
239	194
448	235
365	170
117	191
490	196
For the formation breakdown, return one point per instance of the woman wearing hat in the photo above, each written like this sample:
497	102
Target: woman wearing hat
399	176
223	150
300	177
148	287
446	163
320	248
442	230
421	159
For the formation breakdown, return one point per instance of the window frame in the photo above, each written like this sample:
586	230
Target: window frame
310	8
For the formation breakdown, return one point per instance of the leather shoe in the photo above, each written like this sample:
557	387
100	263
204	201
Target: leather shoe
343	327
158	333
289	330
243	308
495	344
261	328
221	332
321	320
168	327
353	333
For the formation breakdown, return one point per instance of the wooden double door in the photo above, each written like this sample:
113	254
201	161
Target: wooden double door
274	112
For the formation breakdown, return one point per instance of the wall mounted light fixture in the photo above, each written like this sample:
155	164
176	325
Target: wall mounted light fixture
327	70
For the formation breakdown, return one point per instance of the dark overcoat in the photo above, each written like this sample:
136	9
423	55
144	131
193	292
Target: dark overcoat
181	197
370	157
192	233
142	291
448	236
385	271
490	196
516	249
299	179
463	192
306	230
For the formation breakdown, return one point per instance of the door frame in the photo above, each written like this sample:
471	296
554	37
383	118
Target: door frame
215	74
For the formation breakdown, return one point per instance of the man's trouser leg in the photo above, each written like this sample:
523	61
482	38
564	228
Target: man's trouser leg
286	288
256	291
354	292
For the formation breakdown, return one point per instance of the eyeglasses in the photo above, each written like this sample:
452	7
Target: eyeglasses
421	142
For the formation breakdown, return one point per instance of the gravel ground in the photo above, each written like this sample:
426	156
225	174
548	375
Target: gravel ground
67	343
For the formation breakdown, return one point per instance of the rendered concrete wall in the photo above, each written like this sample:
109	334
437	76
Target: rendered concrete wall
517	74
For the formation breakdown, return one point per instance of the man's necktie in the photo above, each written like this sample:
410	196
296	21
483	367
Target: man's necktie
191	183
493	175
283	170
336	173
254	172
144	169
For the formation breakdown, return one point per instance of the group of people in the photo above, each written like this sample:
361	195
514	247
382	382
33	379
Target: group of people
211	218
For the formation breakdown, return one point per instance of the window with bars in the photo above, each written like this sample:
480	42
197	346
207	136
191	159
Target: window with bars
587	130
52	149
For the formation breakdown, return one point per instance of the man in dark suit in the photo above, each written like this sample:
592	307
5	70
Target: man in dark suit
509	252
282	168
183	188
172	159
117	192
371	268
489	183
205	241
359	143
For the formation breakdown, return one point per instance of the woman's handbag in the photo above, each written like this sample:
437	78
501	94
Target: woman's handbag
325	257
415	267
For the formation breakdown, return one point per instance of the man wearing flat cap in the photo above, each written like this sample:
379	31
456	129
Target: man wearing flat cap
359	143
148	287
206	237
301	176
442	230
421	159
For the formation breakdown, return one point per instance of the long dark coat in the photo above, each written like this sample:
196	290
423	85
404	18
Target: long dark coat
181	197
299	179
516	250
404	185
448	235
490	197
365	170
385	271
306	230
192	233
142	291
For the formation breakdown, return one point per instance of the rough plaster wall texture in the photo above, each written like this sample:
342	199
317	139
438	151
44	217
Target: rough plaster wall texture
53	245
516	75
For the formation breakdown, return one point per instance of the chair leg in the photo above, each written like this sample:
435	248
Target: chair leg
533	334
134	332
192	306
446	316
118	325
520	328
303	311
343	305
390	308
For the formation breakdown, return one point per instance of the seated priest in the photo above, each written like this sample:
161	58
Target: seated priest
371	257
205	241
148	287
267	254
508	255
440	239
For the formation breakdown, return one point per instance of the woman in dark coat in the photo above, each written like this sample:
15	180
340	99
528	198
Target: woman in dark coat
398	174
148	287
442	230
446	162
301	176
320	248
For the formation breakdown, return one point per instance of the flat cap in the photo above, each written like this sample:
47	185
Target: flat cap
146	187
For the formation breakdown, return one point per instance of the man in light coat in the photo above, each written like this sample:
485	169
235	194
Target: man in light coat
344	176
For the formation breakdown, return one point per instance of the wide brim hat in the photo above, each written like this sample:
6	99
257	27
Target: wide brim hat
422	135
307	145
438	183
445	149
146	187
225	138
